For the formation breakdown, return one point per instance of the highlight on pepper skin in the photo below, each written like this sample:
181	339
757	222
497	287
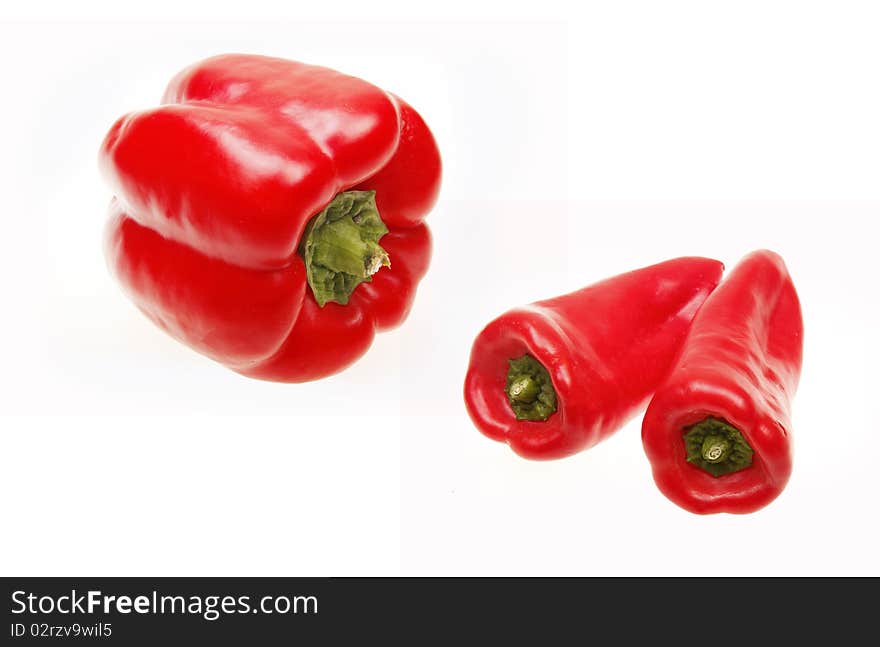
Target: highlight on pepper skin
558	376
290	231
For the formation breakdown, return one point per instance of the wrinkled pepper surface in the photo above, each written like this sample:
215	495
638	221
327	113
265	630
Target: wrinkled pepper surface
558	376
269	213
718	429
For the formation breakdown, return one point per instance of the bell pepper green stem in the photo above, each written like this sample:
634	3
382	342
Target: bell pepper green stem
340	246
717	447
530	389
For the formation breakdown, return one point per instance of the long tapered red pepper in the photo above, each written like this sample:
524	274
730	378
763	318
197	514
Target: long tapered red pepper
718	429
560	375
269	213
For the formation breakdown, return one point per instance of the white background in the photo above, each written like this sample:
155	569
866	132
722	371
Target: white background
576	145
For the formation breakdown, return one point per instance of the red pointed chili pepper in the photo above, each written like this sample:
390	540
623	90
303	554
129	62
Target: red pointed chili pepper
558	376
269	213
718	429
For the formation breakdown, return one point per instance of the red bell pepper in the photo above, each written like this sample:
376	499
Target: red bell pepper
254	207
718	429
560	375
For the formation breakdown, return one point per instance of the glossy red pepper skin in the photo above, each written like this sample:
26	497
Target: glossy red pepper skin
606	347
215	187
741	363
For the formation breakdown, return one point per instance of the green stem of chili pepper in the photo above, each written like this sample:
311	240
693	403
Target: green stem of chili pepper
529	389
717	447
